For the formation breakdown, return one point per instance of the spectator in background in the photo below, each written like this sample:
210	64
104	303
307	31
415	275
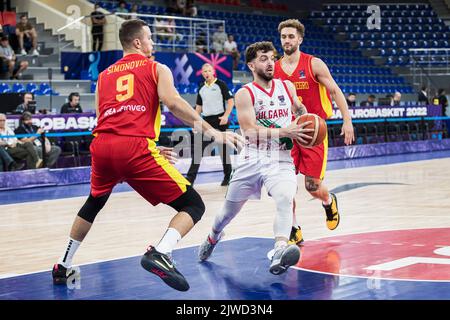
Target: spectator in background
98	21
133	12
423	96
24	31
175	7
200	42
443	101
7	163
351	99
5	5
9	60
17	149
370	102
122	9
52	152
27	105
190	9
171	29
73	106
230	47
396	99
219	38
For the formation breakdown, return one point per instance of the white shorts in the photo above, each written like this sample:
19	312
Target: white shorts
249	177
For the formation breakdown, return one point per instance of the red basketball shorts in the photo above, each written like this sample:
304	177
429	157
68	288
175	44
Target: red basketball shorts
311	162
137	161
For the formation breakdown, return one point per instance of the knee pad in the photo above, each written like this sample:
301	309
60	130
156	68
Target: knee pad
191	203
92	207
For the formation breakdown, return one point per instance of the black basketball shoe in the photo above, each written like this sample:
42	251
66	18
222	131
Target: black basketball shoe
162	265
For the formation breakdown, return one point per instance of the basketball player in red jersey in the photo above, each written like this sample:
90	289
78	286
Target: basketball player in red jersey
315	88
124	149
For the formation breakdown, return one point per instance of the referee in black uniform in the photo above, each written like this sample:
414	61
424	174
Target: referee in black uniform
215	103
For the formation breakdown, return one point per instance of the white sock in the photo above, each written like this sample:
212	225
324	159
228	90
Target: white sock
72	247
329	200
168	241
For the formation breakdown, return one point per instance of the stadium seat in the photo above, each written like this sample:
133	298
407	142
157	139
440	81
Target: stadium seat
4	88
18	88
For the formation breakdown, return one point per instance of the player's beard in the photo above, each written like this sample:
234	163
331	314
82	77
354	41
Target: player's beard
265	76
290	51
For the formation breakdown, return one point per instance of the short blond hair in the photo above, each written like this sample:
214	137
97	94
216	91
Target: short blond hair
292	23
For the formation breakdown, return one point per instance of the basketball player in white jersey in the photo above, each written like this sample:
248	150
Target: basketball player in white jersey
265	108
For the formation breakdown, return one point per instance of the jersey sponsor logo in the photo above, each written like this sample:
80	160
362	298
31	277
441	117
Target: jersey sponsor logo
135	108
126	66
282	100
301	85
302	74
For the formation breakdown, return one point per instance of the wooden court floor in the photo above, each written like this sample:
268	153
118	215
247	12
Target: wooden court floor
397	196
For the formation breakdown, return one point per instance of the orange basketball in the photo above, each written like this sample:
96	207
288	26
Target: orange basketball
320	129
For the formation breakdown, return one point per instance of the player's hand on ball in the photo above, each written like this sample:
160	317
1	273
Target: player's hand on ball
298	131
348	132
168	154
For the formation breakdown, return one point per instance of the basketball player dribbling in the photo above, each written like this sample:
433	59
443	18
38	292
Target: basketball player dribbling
315	88
265	108
124	149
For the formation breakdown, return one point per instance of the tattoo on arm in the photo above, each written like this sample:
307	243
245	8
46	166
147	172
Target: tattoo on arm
299	112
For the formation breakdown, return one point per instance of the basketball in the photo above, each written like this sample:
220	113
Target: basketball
320	129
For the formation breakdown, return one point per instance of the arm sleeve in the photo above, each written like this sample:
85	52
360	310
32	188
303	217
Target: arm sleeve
226	93
199	97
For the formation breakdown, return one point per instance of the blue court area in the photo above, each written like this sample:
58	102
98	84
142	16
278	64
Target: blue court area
238	270
82	190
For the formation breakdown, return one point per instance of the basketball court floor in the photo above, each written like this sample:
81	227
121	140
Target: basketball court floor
393	241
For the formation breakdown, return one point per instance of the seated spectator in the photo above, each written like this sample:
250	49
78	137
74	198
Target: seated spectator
18	150
24	31
133	12
122	8
443	101
28	104
230	47
171	30
351	99
52	152
190	10
73	106
7	163
423	96
200	42
370	102
396	98
10	61
219	38
175	7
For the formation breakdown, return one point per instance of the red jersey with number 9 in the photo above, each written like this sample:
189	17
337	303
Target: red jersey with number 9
311	93
128	98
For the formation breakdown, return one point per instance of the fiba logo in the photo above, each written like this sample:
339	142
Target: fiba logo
181	75
374	21
74	13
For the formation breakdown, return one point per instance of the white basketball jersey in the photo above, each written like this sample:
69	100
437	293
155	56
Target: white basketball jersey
273	109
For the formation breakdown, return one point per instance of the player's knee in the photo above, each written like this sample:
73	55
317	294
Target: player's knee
92	207
191	203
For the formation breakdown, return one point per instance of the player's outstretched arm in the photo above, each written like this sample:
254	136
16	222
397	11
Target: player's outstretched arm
323	75
183	111
247	121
